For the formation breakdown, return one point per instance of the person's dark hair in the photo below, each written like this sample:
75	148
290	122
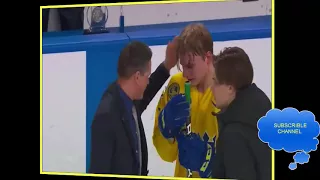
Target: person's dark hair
134	57
233	67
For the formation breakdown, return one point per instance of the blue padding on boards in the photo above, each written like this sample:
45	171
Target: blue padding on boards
221	30
101	71
81	42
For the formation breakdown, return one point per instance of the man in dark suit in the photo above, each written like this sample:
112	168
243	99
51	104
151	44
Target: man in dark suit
118	142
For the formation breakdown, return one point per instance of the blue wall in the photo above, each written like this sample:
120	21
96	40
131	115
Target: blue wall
102	50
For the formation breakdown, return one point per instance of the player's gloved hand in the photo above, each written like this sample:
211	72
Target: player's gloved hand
173	116
196	154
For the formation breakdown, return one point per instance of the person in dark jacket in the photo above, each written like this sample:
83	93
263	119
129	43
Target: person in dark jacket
240	154
118	142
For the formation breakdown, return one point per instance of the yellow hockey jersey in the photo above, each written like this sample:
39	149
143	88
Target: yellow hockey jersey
203	121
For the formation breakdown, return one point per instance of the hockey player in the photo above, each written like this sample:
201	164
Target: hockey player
195	50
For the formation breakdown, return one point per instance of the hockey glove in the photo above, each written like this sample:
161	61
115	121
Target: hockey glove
174	116
196	154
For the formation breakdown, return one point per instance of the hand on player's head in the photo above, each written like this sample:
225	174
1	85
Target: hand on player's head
171	53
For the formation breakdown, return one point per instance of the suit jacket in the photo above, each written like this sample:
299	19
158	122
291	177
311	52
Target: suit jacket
112	147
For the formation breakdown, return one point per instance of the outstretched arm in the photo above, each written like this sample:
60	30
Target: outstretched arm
160	76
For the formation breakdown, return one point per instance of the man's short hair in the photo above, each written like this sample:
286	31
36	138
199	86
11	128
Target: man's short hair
134	57
233	67
195	39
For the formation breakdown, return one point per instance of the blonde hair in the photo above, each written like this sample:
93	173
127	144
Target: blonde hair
195	39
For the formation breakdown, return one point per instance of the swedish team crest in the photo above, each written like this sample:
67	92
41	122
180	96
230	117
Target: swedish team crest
173	90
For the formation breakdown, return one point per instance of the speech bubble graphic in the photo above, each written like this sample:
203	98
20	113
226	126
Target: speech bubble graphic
292	166
301	157
291	131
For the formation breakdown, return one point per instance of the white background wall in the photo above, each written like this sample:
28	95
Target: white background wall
64	98
170	13
64	112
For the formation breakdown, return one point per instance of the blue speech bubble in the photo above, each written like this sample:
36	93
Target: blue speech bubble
301	157
292	166
291	131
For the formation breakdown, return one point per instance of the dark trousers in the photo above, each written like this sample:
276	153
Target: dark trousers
70	19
